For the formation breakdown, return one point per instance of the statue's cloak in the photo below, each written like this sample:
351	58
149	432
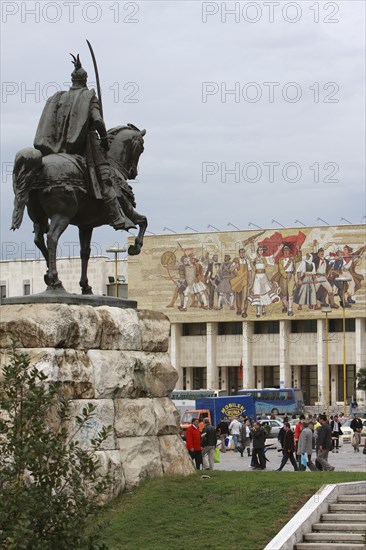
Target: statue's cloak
64	123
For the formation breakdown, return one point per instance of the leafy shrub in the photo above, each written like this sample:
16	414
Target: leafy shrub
361	379
49	486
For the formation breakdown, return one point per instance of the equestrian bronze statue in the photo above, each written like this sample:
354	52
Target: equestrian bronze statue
77	174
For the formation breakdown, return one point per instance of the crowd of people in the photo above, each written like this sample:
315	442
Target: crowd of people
311	433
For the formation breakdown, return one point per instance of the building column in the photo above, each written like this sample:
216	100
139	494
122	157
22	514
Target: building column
189	378
247	355
224	380
285	370
297	376
360	356
333	384
260	377
175	339
321	362
212	370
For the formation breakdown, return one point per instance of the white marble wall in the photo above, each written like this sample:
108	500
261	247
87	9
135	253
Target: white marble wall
14	273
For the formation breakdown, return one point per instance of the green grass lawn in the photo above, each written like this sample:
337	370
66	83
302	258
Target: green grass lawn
236	510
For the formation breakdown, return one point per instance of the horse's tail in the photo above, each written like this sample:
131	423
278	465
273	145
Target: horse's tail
27	163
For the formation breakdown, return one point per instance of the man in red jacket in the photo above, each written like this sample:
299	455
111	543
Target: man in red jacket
193	442
298	429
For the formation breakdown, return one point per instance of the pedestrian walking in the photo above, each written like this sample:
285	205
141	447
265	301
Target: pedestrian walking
324	443
288	448
335	427
234	429
305	447
297	432
259	437
208	444
244	437
193	442
281	437
223	432
356	426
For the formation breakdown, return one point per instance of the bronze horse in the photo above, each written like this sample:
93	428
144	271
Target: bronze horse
55	191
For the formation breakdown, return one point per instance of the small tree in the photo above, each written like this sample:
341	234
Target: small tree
361	379
49	486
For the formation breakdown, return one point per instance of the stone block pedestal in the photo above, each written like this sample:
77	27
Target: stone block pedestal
118	360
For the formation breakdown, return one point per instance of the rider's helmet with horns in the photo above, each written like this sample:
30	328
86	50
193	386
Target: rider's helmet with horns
79	75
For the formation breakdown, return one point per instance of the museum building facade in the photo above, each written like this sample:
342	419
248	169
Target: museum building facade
247	308
259	309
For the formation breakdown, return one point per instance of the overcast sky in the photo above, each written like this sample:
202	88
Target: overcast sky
254	111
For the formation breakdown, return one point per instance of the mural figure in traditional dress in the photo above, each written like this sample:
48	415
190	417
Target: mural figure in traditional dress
241	282
305	291
352	260
195	287
263	292
324	289
225	292
339	277
212	280
180	284
285	276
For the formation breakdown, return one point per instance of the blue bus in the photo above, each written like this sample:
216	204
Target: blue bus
276	401
184	395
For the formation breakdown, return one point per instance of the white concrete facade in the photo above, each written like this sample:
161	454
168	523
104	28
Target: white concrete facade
289	354
19	277
297	359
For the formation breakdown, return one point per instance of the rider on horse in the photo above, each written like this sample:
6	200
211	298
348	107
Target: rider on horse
69	179
68	126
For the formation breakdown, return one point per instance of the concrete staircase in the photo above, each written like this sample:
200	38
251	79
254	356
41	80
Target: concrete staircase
342	528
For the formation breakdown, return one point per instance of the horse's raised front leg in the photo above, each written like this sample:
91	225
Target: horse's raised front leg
141	221
57	227
85	235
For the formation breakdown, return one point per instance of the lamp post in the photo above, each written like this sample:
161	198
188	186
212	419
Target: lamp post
278	223
343	281
326	310
254	225
232	225
116	250
191	228
321	220
168	229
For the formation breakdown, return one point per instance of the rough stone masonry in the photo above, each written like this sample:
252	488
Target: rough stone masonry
118	360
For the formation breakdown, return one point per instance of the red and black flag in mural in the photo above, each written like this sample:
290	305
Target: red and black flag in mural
272	243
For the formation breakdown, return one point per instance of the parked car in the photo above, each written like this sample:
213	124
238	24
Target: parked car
348	432
275	426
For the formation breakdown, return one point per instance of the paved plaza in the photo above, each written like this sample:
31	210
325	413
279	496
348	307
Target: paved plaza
346	460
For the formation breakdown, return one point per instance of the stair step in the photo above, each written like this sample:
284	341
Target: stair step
345	527
357	517
343	507
334	537
351	498
328	546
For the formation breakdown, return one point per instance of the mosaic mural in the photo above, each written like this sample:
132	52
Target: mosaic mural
252	274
